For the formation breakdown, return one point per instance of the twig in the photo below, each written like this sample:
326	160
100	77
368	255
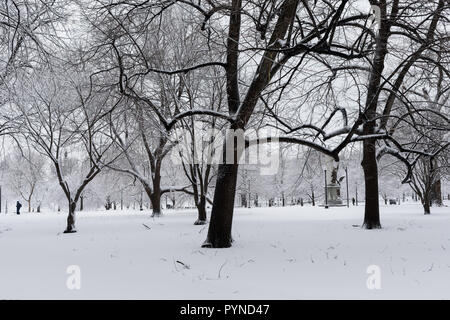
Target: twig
220	270
183	264
146	226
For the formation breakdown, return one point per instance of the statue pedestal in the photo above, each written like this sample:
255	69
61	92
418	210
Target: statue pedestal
334	195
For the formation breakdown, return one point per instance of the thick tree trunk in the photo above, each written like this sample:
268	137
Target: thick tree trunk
155	199
426	203
426	207
71	218
436	193
219	233
155	196
201	207
369	162
372	207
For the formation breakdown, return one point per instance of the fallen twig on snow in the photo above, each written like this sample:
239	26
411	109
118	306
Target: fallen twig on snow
185	266
146	226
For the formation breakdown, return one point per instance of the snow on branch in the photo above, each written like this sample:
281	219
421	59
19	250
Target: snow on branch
396	153
207	112
186	70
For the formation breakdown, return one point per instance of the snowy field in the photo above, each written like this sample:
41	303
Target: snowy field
278	253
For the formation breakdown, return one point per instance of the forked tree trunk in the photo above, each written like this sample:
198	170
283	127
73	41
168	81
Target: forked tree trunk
71	218
370	167
219	232
201	207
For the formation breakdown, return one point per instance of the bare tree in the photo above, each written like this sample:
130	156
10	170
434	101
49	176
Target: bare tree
423	179
400	24
27	37
143	153
61	115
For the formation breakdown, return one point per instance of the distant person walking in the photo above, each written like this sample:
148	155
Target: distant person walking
18	206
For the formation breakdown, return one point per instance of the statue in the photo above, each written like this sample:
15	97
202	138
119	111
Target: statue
333	184
334	175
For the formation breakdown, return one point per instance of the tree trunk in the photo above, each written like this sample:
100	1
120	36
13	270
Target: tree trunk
426	203
436	193
29	205
369	164
71	219
219	232
81	203
155	199
201	207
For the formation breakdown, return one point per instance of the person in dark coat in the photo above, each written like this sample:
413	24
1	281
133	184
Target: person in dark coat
18	206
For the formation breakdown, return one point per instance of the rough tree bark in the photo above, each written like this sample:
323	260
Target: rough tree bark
201	208
426	203
219	233
155	199
436	193
71	218
370	167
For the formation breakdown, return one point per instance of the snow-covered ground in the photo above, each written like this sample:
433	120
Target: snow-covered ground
278	253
